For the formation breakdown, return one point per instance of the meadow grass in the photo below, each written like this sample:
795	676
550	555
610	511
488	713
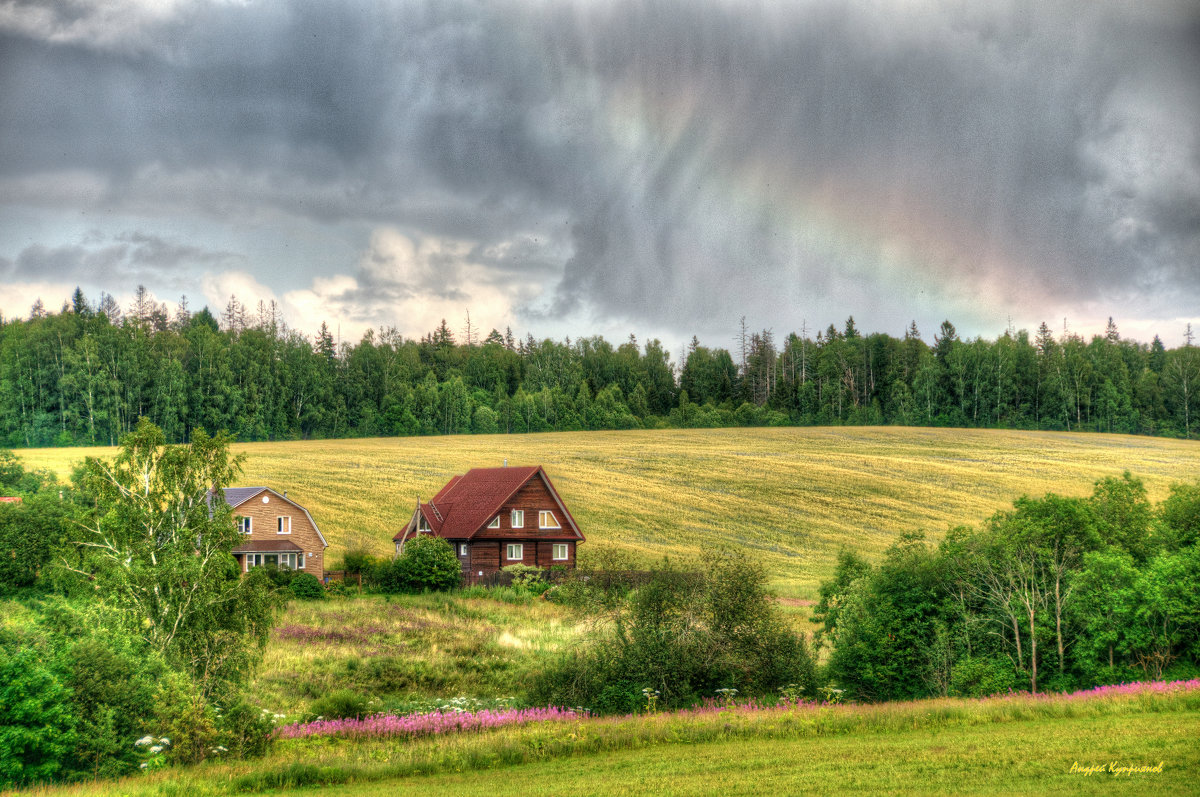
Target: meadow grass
1027	758
1003	744
404	650
794	496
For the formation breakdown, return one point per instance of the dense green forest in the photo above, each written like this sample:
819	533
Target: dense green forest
85	375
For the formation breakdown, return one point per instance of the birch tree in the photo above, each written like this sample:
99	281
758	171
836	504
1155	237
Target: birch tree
158	551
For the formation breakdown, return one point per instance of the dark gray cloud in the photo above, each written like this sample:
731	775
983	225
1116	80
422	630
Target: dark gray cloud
680	163
127	258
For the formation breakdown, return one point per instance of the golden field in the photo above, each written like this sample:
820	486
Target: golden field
794	495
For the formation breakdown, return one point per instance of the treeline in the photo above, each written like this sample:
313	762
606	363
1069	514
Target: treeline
84	376
1056	594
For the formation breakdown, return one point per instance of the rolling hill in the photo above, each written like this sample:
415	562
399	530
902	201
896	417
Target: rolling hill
795	495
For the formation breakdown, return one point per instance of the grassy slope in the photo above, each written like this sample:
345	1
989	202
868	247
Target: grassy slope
1028	757
794	495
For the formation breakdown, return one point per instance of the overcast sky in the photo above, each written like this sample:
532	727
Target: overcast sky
660	168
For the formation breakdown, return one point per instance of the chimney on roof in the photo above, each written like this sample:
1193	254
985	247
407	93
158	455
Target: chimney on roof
285	493
506	462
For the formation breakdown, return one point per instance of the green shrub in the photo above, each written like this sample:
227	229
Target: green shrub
982	676
684	634
37	728
428	563
357	561
306	586
244	730
341	704
190	722
526	577
113	681
31	533
338	589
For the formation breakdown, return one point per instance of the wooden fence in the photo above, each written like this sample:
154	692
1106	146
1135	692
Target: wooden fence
605	579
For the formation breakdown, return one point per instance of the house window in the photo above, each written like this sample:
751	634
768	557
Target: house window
546	520
495	524
423	524
462	549
518	518
245	525
559	552
516	551
285	525
284	561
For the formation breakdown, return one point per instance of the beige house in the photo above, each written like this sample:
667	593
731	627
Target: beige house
278	531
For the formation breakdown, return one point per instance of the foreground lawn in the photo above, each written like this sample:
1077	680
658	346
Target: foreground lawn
1025	757
795	496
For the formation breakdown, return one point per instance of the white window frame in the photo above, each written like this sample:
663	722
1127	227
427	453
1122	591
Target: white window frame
423	524
289	560
542	524
556	547
495	524
246	524
280	525
462	549
519	548
518	518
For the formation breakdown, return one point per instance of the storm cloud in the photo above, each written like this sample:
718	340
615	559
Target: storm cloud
661	165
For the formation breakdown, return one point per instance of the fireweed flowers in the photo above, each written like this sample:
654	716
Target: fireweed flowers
425	724
432	723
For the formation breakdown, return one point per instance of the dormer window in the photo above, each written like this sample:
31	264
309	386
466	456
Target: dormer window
546	520
518	518
423	524
495	524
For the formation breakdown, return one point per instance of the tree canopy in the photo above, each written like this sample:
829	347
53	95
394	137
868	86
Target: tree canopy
84	376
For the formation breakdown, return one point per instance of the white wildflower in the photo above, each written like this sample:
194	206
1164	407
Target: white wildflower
156	748
145	740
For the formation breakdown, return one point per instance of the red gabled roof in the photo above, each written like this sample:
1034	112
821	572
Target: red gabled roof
469	502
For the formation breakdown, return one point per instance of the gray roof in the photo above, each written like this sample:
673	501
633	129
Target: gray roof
240	495
236	496
267	546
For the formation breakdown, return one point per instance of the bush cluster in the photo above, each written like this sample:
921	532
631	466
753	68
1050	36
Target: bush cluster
679	636
133	653
428	563
1055	594
76	694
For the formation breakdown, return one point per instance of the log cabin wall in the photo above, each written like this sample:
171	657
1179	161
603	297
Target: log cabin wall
533	498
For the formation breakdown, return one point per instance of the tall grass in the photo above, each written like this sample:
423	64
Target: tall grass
406	650
795	495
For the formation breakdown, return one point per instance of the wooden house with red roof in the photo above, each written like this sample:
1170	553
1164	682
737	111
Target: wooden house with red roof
494	517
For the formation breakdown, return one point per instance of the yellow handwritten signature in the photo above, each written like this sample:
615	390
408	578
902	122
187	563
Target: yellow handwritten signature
1114	768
